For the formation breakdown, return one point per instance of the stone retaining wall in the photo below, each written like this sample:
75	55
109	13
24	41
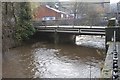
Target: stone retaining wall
8	26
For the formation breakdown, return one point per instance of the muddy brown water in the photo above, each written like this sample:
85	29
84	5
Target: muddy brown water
46	60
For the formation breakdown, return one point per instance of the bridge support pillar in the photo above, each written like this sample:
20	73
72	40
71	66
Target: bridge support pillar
56	38
64	38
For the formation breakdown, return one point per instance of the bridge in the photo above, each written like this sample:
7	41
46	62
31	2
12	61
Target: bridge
77	30
67	34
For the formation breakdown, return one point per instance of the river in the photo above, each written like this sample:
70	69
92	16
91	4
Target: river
46	60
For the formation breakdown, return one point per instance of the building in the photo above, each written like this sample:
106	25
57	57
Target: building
45	12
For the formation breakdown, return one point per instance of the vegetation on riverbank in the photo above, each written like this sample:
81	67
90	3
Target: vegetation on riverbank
24	27
16	23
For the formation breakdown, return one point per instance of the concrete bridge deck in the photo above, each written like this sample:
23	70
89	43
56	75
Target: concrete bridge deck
108	66
80	30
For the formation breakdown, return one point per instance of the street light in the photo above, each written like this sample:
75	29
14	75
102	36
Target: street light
118	10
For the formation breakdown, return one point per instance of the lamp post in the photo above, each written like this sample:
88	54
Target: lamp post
117	10
117	16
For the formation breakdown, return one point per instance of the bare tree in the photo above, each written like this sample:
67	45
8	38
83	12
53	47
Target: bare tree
86	12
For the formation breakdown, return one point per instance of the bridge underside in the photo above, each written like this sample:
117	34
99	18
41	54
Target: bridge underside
56	37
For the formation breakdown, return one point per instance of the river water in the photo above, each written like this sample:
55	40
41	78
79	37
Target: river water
46	60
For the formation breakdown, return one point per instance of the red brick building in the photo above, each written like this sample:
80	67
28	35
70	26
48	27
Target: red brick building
44	12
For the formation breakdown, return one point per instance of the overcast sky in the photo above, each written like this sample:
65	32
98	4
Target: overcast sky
111	1
114	1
